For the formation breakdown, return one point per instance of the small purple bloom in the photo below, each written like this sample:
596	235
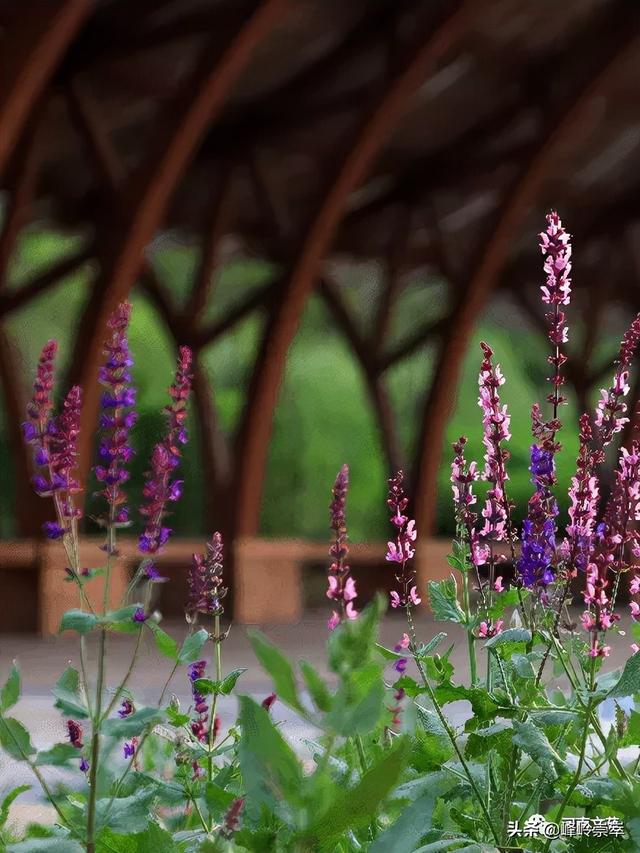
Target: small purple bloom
52	530
126	709
205	580
129	750
140	615
84	765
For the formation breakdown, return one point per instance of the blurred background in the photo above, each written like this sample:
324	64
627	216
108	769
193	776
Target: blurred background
332	203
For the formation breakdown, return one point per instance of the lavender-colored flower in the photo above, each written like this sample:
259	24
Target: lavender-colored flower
160	489
495	422
342	587
84	765
611	408
539	528
555	244
129	749
205	580
139	615
152	574
401	550
41	404
117	416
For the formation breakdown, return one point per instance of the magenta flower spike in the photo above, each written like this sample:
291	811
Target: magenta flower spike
342	587
402	549
161	488
117	416
204	581
463	476
611	407
495	422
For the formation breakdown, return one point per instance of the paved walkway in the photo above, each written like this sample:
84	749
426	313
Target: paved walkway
42	660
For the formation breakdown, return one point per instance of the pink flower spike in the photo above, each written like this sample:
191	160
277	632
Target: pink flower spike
498	586
588	621
413	596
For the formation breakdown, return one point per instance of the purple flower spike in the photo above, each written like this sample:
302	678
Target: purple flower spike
117	418
611	408
199	725
159	488
342	587
205	580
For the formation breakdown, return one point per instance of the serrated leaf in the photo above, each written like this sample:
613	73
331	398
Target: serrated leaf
15	739
443	599
511	635
534	742
67	694
79	621
165	644
358	703
11	690
403	835
278	667
270	768
126	814
8	799
192	646
217	799
353	807
224	687
629	681
318	690
59	755
133	724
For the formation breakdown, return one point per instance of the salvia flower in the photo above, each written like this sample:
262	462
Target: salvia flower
205	580
126	709
39	409
535	564
495	422
161	488
231	822
489	629
463	476
342	587
268	701
400	665
555	244
129	749
84	765
139	615
401	549
117	416
584	497
199	724
74	733
611	408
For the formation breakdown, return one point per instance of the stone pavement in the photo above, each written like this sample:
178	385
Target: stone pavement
42	660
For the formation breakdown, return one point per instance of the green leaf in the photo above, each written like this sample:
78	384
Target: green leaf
404	835
358	703
46	845
15	739
154	839
224	687
434	742
535	743
270	768
192	646
134	724
443	598
11	691
353	807
8	799
67	694
278	667
59	755
217	799
165	644
425	649
629	681
79	621
496	737
351	644
318	690
126	814
511	635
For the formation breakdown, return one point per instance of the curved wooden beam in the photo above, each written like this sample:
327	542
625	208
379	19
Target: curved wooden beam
31	51
486	274
201	101
254	434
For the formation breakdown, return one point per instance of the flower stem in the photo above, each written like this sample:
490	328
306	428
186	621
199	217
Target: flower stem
218	655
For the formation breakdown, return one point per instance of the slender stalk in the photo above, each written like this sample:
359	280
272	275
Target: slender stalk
471	642
218	656
445	723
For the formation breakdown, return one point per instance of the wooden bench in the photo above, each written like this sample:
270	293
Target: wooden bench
269	573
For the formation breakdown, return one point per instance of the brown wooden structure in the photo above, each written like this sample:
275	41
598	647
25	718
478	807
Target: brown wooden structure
418	134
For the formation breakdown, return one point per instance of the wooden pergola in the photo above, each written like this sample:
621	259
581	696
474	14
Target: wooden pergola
421	135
